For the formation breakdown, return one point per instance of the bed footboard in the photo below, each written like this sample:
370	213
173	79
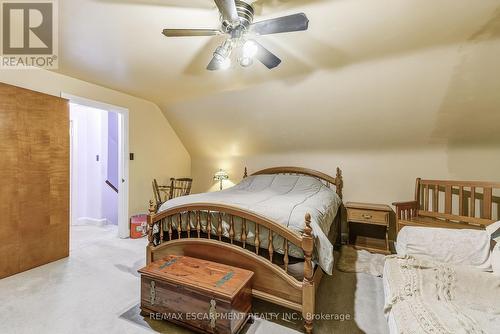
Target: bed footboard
272	282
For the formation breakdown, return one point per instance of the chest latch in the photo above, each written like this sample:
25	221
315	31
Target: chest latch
212	313
152	292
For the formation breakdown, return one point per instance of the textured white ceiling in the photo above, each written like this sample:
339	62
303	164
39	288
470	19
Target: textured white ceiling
366	74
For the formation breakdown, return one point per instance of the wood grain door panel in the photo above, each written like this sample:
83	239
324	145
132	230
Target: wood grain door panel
34	176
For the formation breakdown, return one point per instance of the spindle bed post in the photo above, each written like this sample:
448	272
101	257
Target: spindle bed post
308	282
198	223
257	239
179	225
219	226
270	247
231	229
209	224
152	210
339	182
285	255
170	231
161	230
243	237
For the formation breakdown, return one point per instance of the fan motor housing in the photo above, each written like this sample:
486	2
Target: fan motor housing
245	12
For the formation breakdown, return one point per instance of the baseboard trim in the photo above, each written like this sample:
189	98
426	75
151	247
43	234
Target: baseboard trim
91	221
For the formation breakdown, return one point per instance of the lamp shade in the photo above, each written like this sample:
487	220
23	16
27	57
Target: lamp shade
221	175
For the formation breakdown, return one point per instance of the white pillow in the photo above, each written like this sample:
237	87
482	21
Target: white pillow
452	246
494	231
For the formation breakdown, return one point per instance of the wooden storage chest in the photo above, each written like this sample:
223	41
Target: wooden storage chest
201	295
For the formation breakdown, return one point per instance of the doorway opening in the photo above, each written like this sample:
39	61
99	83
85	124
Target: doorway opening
98	168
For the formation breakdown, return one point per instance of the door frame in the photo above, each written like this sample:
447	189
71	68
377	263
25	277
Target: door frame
123	153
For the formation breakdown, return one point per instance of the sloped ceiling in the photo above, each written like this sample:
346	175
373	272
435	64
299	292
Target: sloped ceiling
366	74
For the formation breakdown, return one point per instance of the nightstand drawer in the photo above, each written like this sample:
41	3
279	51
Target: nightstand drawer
368	216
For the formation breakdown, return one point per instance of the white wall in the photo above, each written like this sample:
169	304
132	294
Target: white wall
109	196
89	140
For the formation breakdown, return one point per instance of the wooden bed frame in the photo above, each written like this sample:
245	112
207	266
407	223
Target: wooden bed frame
272	282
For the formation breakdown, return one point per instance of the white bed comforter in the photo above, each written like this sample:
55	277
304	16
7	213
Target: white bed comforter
423	296
284	199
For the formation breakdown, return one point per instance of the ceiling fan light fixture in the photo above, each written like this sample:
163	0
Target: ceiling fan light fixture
250	49
225	63
246	61
222	55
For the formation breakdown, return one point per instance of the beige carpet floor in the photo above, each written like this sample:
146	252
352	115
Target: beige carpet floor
352	260
96	291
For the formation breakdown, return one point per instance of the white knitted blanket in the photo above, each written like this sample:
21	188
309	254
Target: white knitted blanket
428	297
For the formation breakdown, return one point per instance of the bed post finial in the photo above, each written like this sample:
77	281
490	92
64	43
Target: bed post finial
308	229
152	207
339	182
245	174
307	247
308	290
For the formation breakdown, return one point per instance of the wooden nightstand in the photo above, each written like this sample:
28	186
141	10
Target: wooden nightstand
368	226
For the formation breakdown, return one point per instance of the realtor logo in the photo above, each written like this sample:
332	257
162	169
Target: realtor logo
29	33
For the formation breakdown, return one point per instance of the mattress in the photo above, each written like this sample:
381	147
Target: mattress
284	199
393	327
423	296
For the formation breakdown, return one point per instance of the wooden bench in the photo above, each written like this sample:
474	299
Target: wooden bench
450	204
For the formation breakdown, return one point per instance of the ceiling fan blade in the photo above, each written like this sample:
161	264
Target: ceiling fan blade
295	22
266	57
228	10
190	32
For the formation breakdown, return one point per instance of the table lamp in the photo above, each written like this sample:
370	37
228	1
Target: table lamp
220	176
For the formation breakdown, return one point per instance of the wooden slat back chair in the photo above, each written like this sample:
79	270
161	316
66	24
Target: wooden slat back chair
180	187
451	204
161	193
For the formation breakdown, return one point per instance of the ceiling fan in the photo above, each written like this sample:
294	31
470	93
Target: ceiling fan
237	22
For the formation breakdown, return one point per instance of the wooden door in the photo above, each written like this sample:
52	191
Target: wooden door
34	179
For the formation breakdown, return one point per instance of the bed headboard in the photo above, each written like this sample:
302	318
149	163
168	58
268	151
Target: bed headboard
328	180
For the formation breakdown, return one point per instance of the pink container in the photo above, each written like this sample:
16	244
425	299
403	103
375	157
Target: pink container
138	226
